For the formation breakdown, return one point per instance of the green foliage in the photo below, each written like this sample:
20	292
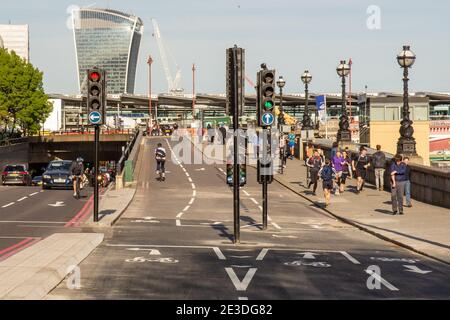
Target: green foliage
23	103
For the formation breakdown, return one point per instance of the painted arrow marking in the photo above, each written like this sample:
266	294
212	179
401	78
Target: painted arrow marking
309	255
241	285
153	252
289	237
416	269
58	204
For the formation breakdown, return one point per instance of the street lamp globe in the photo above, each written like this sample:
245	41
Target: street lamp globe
306	77
343	69
281	82
406	58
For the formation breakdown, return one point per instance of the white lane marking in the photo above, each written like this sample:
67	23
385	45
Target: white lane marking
8	205
187	208
243	298
33	194
188	175
260	208
254	201
349	257
190	180
241	257
194	193
381	280
192	201
193	186
178	223
180	215
269	218
276	225
241	285
416	269
219	253
262	254
221	169
21	199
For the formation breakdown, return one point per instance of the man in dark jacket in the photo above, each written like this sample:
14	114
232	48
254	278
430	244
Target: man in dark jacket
379	164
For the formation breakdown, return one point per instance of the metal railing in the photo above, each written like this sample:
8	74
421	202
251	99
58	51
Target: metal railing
9	142
126	152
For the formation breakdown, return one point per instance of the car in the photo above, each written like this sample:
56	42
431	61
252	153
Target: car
58	175
37	181
16	174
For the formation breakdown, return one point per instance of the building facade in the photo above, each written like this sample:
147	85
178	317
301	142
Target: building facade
110	40
15	38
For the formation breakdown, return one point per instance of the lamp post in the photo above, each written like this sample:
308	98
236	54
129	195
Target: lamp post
306	122
281	83
149	62
406	143
343	134
193	90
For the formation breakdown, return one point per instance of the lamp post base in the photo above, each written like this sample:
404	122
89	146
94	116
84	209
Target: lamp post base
406	147
344	136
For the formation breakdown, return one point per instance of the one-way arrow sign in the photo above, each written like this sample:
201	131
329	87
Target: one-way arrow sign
415	269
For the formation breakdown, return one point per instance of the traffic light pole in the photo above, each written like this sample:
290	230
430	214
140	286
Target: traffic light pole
236	167
265	184
96	165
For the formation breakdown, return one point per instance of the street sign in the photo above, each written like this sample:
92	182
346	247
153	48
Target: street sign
95	117
267	119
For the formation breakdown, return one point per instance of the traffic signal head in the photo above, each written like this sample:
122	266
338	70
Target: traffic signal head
96	96
266	106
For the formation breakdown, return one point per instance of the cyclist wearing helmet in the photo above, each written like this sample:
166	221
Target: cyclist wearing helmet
77	172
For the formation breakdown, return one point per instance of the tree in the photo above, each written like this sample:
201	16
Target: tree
23	102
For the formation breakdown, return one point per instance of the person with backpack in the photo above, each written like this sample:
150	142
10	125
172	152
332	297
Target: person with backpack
327	174
379	164
160	156
346	163
314	164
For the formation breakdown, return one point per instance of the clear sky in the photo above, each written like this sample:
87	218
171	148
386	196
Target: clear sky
289	35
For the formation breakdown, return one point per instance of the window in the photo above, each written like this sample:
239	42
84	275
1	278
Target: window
420	113
377	113
392	113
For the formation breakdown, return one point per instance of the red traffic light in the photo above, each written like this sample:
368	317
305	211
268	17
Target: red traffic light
94	76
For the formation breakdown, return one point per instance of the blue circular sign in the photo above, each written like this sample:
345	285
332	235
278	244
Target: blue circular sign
267	119
95	117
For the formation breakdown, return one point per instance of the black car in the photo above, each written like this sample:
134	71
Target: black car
58	175
16	174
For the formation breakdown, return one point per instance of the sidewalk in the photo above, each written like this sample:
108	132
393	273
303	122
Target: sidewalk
424	228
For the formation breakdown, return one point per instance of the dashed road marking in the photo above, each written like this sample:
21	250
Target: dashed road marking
262	254
8	205
21	199
254	201
186	208
33	194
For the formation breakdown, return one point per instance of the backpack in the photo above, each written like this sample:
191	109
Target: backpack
327	173
160	154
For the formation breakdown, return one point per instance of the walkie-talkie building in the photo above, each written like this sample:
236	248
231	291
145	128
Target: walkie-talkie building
110	40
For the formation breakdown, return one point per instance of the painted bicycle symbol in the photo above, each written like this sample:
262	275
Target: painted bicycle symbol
160	260
309	264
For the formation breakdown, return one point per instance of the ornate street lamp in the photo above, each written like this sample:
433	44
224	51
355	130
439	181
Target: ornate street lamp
281	83
343	134
406	144
306	122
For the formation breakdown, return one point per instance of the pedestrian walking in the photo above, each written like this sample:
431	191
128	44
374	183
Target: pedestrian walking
346	163
398	181
223	134
322	154
315	163
327	173
360	165
283	152
407	183
337	163
291	138
379	164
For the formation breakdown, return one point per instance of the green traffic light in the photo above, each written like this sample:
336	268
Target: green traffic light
268	104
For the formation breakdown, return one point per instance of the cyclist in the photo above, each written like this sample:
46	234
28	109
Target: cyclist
77	173
160	156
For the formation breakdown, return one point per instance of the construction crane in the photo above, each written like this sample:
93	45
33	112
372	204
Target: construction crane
173	83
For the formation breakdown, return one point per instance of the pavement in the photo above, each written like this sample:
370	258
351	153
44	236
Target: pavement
32	273
424	228
174	241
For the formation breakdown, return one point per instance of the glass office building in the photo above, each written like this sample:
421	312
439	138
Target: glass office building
110	40
15	38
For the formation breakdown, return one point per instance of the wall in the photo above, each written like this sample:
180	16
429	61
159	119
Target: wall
386	133
14	154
